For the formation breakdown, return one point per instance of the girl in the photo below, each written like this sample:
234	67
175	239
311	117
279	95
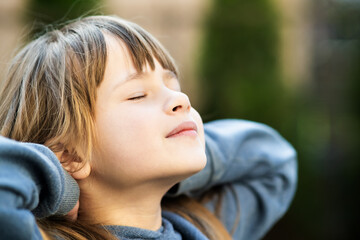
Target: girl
104	97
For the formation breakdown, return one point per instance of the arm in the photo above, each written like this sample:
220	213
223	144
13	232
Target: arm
32	183
257	169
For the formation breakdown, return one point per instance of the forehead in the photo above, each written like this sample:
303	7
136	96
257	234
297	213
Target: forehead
121	59
120	66
118	53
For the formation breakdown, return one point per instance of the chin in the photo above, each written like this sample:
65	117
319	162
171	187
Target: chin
195	165
185	164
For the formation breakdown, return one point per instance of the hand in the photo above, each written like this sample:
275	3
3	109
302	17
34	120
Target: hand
73	214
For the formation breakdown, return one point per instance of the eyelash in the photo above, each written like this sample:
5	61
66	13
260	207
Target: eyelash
137	97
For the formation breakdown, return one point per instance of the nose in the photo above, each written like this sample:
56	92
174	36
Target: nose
177	102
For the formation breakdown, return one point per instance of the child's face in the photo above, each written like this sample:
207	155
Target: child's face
133	120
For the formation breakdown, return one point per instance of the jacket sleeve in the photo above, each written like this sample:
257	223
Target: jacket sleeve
32	184
257	171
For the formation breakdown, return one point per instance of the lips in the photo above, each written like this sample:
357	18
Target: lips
185	128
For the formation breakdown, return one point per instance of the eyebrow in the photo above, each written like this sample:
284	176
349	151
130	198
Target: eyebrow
139	75
132	76
169	74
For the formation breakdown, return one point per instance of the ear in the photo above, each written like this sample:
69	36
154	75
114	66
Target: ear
74	165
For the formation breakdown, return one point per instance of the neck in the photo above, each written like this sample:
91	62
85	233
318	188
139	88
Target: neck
136	206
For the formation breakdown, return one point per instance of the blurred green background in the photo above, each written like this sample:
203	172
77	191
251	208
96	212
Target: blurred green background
242	74
293	65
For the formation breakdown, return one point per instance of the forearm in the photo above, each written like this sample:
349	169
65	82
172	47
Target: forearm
256	171
240	150
32	182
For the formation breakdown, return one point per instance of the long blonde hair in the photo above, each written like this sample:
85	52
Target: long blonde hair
49	94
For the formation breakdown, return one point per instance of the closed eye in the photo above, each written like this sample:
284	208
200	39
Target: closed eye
137	97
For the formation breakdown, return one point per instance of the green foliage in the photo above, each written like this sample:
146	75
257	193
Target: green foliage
240	76
239	66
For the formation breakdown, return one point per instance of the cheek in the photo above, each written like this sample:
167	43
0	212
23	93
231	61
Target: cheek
123	140
126	136
120	130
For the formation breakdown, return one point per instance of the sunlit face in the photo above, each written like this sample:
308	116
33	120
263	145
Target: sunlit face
135	113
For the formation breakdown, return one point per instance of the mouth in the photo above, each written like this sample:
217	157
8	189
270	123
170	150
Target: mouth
188	128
